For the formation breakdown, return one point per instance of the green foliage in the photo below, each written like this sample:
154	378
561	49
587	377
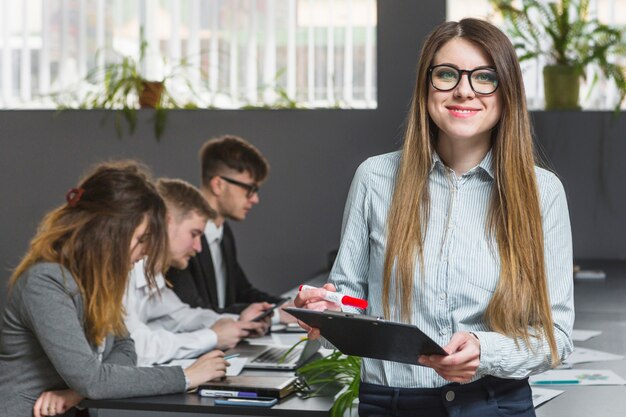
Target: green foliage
333	369
118	86
574	38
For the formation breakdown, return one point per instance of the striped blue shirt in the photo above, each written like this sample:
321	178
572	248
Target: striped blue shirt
462	267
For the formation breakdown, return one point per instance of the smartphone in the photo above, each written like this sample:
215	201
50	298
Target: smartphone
270	310
253	402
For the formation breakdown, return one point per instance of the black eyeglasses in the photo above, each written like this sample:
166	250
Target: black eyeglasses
251	189
483	80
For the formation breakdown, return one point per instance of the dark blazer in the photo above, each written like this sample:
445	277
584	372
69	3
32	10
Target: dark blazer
196	284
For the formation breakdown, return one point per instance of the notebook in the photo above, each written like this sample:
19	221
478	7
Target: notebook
268	357
251	386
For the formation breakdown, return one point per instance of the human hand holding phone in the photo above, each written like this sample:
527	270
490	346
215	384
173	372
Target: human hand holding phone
270	310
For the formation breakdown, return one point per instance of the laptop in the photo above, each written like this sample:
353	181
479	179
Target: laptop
269	357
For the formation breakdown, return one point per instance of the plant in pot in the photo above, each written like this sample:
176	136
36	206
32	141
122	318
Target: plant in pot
120	86
570	39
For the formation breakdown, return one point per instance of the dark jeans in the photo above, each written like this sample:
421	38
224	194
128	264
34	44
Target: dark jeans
487	397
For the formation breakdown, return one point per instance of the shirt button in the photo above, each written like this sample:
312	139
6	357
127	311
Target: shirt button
443	331
450	396
442	296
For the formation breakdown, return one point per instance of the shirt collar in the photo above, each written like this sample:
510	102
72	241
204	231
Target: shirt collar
485	164
213	233
139	276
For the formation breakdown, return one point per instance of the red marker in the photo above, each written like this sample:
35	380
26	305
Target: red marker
338	298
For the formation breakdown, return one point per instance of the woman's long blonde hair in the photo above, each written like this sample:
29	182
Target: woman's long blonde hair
91	236
521	300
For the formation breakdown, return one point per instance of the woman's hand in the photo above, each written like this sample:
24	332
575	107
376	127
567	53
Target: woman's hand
52	403
209	366
461	363
313	299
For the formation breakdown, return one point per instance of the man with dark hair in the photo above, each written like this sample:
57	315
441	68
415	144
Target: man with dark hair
163	327
232	171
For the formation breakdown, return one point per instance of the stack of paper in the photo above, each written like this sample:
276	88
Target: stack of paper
541	395
582	355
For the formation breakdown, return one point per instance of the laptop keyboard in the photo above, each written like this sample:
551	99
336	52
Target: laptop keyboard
272	355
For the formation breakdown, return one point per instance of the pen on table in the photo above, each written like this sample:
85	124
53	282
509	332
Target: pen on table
225	393
231	356
557	382
338	298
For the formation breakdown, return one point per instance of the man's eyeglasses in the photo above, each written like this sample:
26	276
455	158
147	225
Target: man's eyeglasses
251	189
483	80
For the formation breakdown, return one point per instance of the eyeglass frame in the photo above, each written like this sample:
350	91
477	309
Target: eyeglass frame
461	72
251	189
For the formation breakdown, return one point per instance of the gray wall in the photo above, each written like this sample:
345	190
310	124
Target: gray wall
586	150
313	156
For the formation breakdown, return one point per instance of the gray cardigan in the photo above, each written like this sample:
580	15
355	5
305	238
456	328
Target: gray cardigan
43	347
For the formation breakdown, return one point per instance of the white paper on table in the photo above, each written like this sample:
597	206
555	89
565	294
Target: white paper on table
236	366
542	395
583	335
582	355
577	377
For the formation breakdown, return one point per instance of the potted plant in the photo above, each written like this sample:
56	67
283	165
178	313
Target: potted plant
563	32
120	86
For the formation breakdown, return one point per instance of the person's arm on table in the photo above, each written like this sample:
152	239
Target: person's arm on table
51	314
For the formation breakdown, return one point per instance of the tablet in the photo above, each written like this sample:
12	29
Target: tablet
370	337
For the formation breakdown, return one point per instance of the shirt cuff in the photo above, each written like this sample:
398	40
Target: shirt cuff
187	381
489	354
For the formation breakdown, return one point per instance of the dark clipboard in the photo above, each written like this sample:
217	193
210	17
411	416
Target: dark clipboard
370	337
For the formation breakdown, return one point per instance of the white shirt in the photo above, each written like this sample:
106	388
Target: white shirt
214	237
461	265
163	327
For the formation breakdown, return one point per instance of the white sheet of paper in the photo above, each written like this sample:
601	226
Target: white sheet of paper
236	366
542	395
582	355
556	377
583	335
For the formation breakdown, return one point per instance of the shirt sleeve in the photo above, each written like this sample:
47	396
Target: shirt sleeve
167	311
173	330
49	310
500	355
123	352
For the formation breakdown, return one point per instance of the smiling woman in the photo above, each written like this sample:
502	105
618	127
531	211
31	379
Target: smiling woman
468	206
464	104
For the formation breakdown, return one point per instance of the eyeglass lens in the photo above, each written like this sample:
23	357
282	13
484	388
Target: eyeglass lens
251	189
482	81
